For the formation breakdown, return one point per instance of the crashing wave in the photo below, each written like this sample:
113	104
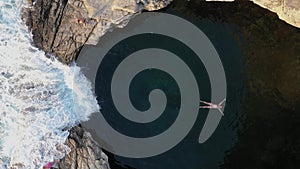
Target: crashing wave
39	97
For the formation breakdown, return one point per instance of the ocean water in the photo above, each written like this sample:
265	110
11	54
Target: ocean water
39	97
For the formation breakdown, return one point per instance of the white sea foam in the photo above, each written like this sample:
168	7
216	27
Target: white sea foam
39	97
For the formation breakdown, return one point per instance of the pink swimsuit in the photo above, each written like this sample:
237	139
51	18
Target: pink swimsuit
49	165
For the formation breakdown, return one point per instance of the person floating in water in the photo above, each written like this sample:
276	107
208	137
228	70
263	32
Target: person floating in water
213	106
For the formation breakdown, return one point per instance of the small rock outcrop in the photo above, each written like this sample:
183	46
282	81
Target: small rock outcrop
85	153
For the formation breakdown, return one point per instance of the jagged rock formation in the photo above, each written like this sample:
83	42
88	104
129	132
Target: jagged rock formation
62	27
85	153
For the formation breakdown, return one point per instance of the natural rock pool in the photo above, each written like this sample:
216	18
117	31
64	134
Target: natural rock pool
260	55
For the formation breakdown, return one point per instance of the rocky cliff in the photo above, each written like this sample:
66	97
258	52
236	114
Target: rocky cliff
62	27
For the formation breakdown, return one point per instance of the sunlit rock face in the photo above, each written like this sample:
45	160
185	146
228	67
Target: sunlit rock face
287	10
63	27
109	13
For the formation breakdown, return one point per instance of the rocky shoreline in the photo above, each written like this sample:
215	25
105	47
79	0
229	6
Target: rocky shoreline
85	153
62	27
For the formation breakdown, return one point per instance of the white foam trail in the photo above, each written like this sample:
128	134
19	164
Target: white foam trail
38	97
